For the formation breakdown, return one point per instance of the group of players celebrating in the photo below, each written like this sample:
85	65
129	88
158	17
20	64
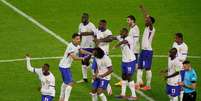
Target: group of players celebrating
92	44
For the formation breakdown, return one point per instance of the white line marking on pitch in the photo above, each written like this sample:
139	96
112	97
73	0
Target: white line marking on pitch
35	22
59	57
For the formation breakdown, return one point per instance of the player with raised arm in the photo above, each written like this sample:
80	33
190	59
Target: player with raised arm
145	59
102	74
87	31
46	77
71	54
128	64
173	77
182	52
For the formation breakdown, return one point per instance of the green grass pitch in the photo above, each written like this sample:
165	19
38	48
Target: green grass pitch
18	36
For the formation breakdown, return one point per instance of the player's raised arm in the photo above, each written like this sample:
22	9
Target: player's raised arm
144	11
28	63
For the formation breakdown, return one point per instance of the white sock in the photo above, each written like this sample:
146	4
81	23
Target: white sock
132	88
148	76
181	95
123	87
62	92
109	89
103	97
94	97
175	98
139	76
84	71
67	92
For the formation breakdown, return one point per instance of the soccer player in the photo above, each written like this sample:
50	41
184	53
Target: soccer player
182	52
102	74
134	33
87	31
71	54
128	64
189	83
145	59
101	40
101	36
173	77
46	77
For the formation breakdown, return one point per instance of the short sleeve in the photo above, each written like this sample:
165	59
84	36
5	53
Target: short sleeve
108	62
119	38
193	76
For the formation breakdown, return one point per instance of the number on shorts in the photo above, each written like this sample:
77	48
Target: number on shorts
173	91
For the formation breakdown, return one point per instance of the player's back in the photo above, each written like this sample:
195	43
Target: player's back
182	50
135	33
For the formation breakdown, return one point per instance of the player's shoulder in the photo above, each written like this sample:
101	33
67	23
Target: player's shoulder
91	24
108	31
184	45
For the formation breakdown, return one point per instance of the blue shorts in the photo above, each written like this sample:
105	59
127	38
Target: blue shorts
145	59
128	68
86	49
47	98
182	73
66	75
173	90
100	83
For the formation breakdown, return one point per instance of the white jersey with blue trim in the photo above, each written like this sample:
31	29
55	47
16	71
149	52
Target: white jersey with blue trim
182	51
104	45
67	60
147	38
135	34
47	81
174	66
102	66
126	49
87	41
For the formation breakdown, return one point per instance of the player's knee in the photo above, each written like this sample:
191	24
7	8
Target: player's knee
93	91
129	77
124	77
99	91
70	84
147	69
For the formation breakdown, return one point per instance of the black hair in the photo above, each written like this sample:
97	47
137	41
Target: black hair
173	50
180	35
75	35
152	19
186	62
85	14
99	53
131	17
103	21
125	29
47	65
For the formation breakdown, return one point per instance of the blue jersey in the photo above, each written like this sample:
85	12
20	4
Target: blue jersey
189	78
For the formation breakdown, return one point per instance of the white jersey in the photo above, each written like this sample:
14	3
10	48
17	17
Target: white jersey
87	41
104	45
47	82
66	61
102	66
147	38
182	51
126	49
135	34
174	66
